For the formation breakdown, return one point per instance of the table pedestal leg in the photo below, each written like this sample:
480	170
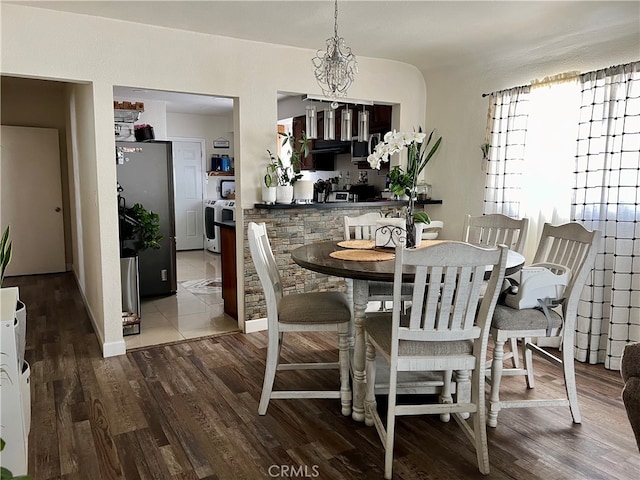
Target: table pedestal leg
360	299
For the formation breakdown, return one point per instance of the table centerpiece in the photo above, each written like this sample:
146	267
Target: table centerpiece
404	182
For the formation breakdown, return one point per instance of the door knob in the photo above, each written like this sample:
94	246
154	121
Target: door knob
58	209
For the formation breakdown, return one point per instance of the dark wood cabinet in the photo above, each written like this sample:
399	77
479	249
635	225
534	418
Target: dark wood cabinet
299	126
380	119
228	264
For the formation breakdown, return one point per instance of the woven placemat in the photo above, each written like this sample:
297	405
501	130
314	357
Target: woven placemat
359	244
362	255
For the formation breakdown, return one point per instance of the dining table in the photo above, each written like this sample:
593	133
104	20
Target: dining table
321	257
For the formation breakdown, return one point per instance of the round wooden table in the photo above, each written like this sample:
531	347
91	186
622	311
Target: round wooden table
316	257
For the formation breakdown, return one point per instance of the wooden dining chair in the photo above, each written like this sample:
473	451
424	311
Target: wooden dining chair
432	229
498	229
363	227
445	332
301	312
570	245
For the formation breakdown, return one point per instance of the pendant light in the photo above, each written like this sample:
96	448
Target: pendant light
363	125
311	126
345	125
335	67
329	124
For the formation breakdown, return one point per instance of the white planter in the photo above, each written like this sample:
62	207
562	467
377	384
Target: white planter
284	194
268	194
21	331
303	191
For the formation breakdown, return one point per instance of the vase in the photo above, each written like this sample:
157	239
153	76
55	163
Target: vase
284	194
414	233
268	195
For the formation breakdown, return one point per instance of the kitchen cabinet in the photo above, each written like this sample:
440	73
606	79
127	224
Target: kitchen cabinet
380	119
229	270
299	125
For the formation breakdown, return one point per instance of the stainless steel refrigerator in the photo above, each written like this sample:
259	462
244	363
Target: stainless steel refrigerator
145	176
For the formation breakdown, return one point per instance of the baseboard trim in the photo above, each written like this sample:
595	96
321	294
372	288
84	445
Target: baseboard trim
110	349
255	325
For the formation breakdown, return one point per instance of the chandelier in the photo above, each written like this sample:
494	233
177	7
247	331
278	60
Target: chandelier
335	67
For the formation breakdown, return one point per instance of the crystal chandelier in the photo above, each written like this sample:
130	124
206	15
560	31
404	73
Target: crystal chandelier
336	67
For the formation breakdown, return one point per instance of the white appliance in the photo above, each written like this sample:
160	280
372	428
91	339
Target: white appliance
217	211
219	187
211	232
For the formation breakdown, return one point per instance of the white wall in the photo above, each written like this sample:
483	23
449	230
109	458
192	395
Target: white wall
102	53
208	127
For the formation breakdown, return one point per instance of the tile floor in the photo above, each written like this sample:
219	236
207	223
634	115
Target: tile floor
196	310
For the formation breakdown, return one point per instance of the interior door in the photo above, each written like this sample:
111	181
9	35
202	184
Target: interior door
31	195
189	208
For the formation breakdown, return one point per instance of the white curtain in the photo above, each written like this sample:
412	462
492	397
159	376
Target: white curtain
506	135
536	169
607	198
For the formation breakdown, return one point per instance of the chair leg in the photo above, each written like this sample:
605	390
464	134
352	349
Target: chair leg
496	377
570	381
463	390
273	353
515	359
445	393
528	362
343	355
391	425
370	400
480	433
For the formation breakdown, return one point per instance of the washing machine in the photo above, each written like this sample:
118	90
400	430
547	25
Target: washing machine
212	233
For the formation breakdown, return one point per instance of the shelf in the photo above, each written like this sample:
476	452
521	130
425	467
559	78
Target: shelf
126	116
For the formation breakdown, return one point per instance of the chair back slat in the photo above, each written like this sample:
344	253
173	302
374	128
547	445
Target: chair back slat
362	227
447	290
574	247
496	229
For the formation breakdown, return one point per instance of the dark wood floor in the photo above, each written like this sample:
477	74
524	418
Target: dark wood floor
189	411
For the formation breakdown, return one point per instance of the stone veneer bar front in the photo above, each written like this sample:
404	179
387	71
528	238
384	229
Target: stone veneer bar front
291	226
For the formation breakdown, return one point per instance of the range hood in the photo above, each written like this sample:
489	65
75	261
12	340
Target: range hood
330	146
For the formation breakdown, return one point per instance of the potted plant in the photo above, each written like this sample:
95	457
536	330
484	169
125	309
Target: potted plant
139	230
404	181
270	181
284	176
21	309
20	324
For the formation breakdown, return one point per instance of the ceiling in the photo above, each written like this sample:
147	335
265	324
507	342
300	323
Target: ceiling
428	34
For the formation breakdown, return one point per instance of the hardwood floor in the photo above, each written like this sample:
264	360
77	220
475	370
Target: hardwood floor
189	411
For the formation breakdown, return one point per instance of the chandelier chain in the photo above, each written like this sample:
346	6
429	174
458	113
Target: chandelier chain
336	66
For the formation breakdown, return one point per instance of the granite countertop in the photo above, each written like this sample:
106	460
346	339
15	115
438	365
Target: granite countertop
378	203
226	224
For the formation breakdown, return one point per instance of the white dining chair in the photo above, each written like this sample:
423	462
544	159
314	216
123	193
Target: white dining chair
569	245
363	227
431	230
498	229
300	312
445	332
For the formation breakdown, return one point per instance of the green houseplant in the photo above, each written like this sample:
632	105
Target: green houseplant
139	230
5	253
5	259
404	180
283	175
